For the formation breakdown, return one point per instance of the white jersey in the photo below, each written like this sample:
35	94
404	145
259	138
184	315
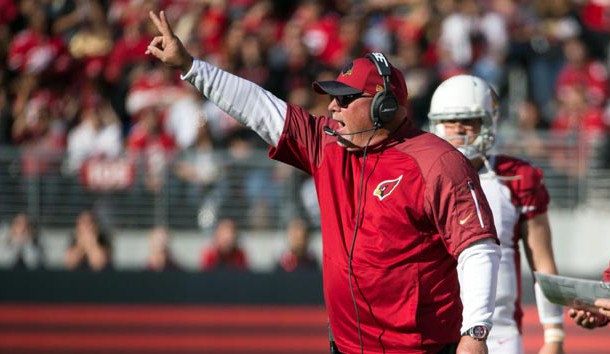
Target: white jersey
515	193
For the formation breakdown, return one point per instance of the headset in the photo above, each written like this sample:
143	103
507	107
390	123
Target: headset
384	104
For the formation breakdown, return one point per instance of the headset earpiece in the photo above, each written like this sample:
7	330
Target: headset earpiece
384	105
383	108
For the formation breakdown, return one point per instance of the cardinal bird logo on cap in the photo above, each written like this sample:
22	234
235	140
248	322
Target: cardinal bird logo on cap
347	70
386	188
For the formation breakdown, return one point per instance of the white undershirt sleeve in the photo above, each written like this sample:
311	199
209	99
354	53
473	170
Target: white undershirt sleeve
243	100
478	276
548	312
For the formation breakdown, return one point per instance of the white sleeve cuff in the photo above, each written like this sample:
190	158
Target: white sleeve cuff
183	77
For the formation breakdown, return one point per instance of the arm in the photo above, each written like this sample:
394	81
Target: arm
243	100
477	273
538	248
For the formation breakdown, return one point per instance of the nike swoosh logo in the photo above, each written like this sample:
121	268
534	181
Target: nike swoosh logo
463	221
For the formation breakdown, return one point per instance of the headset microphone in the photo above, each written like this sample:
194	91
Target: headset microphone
332	132
329	131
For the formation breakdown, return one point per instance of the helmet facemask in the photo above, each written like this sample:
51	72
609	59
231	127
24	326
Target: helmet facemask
474	146
466	97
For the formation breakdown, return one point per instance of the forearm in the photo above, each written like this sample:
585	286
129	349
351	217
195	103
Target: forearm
550	314
539	249
538	244
243	100
477	271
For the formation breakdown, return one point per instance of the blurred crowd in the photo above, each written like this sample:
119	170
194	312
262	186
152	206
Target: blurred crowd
74	77
91	246
76	86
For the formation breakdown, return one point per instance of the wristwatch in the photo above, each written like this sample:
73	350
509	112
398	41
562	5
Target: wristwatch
479	332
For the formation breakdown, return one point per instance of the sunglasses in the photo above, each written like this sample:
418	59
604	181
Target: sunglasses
345	100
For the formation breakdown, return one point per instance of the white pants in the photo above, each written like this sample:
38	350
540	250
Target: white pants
505	345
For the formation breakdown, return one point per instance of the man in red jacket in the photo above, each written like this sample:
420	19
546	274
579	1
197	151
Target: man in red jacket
410	253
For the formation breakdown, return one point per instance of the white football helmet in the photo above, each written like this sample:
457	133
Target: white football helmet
466	97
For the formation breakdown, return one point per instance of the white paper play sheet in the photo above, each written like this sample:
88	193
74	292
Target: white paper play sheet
572	292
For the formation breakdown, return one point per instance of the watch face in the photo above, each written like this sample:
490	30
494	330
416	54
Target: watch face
479	332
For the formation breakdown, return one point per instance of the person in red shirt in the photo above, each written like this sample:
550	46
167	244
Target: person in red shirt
297	257
576	118
589	319
225	252
405	225
583	71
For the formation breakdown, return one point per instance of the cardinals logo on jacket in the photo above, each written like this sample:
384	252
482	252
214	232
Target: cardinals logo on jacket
386	188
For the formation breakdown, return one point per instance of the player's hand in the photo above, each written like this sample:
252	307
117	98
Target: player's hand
552	348
604	306
585	319
167	47
469	345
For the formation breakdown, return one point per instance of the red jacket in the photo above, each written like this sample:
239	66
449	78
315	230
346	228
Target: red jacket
418	213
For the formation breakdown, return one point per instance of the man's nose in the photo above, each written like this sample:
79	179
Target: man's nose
458	127
333	106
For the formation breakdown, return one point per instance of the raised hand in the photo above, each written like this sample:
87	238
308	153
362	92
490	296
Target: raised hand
167	47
